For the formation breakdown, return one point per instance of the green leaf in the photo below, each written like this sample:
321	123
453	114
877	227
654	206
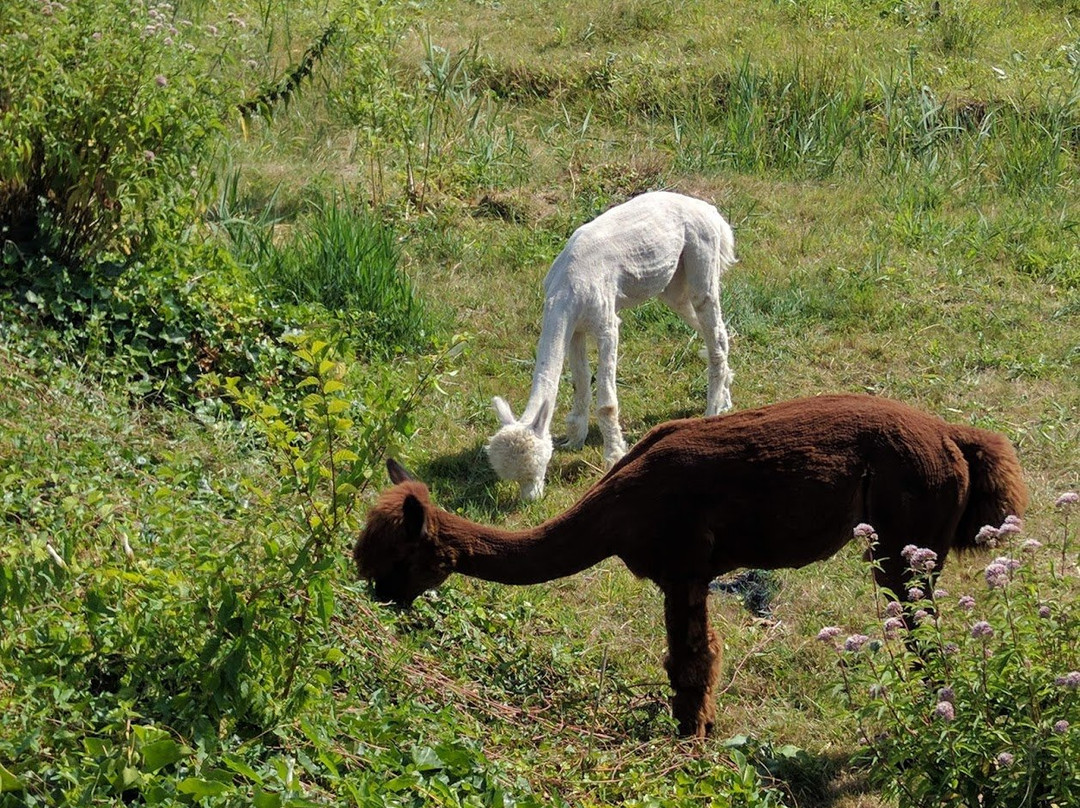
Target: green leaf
161	753
241	768
324	600
426	759
201	788
333	386
337	405
97	747
8	781
266	799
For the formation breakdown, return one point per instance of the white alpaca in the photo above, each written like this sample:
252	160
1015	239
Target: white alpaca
658	244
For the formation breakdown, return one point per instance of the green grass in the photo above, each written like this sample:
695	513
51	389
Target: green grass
906	221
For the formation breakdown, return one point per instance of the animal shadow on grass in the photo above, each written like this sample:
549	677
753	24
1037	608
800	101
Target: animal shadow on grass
465	479
820	780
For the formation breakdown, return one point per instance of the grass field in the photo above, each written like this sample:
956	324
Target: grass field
902	180
906	222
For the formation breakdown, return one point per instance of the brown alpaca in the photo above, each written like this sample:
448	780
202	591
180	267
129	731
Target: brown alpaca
779	486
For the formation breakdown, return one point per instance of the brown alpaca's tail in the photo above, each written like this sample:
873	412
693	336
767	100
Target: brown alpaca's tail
997	481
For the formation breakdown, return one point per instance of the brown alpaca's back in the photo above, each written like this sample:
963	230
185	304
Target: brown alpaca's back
783	486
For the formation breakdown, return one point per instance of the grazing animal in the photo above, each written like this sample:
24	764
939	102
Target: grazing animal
658	244
779	486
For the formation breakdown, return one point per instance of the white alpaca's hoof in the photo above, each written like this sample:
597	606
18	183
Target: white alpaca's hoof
614	455
577	429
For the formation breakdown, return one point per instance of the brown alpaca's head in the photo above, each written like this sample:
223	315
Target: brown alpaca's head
399	550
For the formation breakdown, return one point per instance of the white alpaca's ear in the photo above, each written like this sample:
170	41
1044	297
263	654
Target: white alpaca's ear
539	423
397	472
503	411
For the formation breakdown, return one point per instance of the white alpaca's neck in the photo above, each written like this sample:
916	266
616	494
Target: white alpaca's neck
555	334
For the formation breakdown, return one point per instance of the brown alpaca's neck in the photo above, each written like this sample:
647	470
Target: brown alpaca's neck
560	547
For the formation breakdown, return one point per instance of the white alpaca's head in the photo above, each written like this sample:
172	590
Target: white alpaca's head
521	451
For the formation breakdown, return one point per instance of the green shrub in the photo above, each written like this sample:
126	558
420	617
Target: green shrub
978	703
106	123
153	324
108	117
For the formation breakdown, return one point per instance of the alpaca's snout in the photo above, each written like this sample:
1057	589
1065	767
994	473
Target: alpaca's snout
393	587
384	592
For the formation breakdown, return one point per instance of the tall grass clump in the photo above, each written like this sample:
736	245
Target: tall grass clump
818	122
973	697
427	132
796	119
335	260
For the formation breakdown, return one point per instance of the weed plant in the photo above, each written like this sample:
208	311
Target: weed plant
336	263
973	698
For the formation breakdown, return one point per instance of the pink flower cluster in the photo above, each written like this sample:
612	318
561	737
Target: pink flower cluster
160	23
893	626
999	571
988	535
856	642
945	711
1066	499
829	633
1070	681
919	559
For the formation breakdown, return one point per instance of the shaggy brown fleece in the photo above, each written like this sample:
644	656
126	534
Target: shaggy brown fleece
779	486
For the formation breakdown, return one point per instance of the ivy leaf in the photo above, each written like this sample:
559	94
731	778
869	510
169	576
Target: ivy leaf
198	787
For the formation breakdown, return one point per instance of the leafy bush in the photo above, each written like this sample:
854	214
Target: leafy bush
978	703
170	626
108	118
154	324
105	125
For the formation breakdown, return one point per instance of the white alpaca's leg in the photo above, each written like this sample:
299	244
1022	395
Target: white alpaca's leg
607	402
715	334
577	422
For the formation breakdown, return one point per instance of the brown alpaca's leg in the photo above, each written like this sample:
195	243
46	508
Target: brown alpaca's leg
693	660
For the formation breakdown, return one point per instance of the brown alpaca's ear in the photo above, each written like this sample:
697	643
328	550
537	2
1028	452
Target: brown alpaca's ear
415	518
397	472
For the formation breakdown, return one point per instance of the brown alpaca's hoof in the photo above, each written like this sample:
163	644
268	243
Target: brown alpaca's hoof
697	730
694	716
